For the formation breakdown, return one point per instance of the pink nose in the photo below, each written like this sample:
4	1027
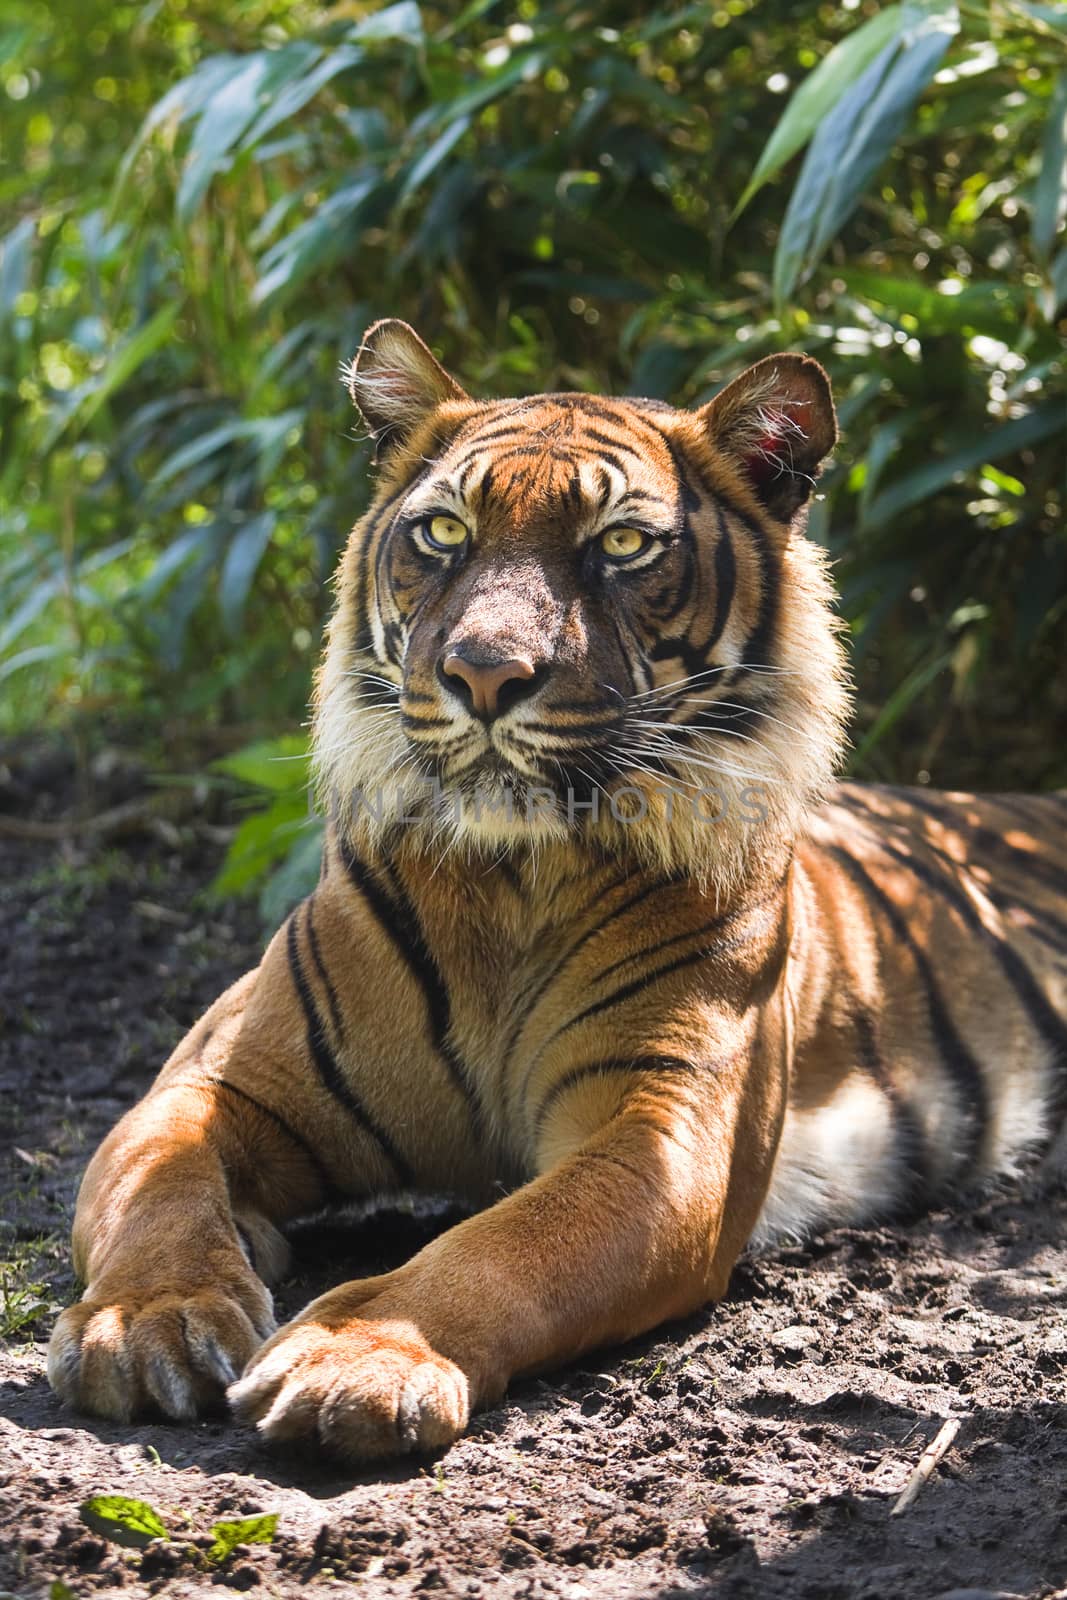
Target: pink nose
486	679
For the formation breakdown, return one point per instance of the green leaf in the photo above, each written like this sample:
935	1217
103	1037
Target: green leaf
222	122
182	100
426	164
122	1520
295	95
1021	433
323	239
994	308
821	90
31	656
912	687
124	362
1050	191
1056	294
260	842
268	433
276	764
239	568
295	878
854	140
16	258
252	1530
402	22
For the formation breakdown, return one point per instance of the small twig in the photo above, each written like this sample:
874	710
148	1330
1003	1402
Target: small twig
926	1463
129	817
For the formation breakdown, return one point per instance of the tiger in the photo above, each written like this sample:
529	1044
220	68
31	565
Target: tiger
600	945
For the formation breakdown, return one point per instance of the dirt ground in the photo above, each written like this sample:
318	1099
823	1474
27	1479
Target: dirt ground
755	1450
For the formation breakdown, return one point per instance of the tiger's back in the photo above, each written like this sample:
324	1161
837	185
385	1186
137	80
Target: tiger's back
929	985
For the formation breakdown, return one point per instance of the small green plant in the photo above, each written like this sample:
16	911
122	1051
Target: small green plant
249	1530
24	1298
278	847
123	1521
135	1523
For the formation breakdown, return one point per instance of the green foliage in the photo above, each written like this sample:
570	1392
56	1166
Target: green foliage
204	208
279	846
136	1524
122	1520
249	1530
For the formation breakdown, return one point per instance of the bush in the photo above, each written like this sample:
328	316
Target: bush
213	208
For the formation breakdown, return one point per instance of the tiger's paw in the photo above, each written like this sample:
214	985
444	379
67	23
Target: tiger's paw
361	1391
119	1355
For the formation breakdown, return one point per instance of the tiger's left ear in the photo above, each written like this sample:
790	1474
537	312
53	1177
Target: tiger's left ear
395	382
776	422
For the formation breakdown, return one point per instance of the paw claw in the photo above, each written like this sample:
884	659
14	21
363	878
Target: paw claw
353	1390
172	1351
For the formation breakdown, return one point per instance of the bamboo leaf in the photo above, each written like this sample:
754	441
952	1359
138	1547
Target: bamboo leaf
899	701
181	101
16	259
401	22
242	561
854	140
1050	191
1021	433
221	124
819	92
293	96
132	353
294	880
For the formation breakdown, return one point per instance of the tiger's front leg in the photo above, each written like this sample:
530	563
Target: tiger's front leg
636	1222
285	1093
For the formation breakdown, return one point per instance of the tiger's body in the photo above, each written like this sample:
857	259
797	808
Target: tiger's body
638	1035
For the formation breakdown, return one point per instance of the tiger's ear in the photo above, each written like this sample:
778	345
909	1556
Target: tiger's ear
395	382
776	422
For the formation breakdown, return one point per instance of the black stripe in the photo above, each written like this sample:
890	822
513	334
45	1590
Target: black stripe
644	980
531	1001
323	975
910	1146
597	1069
621	414
959	1062
561	454
330	1073
329	1188
985	839
628	990
725	581
397	918
609	440
1043	1017
606	724
656	949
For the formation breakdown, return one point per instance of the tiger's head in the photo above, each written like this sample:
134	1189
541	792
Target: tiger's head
582	619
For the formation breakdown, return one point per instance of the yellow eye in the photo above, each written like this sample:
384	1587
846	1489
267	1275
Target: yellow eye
448	532
623	543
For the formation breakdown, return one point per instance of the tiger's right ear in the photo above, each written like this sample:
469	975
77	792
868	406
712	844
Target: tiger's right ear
395	382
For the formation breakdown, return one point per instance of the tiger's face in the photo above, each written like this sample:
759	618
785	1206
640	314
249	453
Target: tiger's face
559	602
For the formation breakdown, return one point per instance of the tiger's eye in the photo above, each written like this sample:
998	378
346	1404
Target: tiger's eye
447	532
622	543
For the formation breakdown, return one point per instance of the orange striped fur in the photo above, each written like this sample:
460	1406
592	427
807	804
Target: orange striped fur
690	997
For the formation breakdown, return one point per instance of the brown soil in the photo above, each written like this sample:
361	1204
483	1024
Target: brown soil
755	1450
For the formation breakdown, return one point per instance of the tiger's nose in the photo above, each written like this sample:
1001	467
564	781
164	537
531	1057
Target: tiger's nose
490	687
